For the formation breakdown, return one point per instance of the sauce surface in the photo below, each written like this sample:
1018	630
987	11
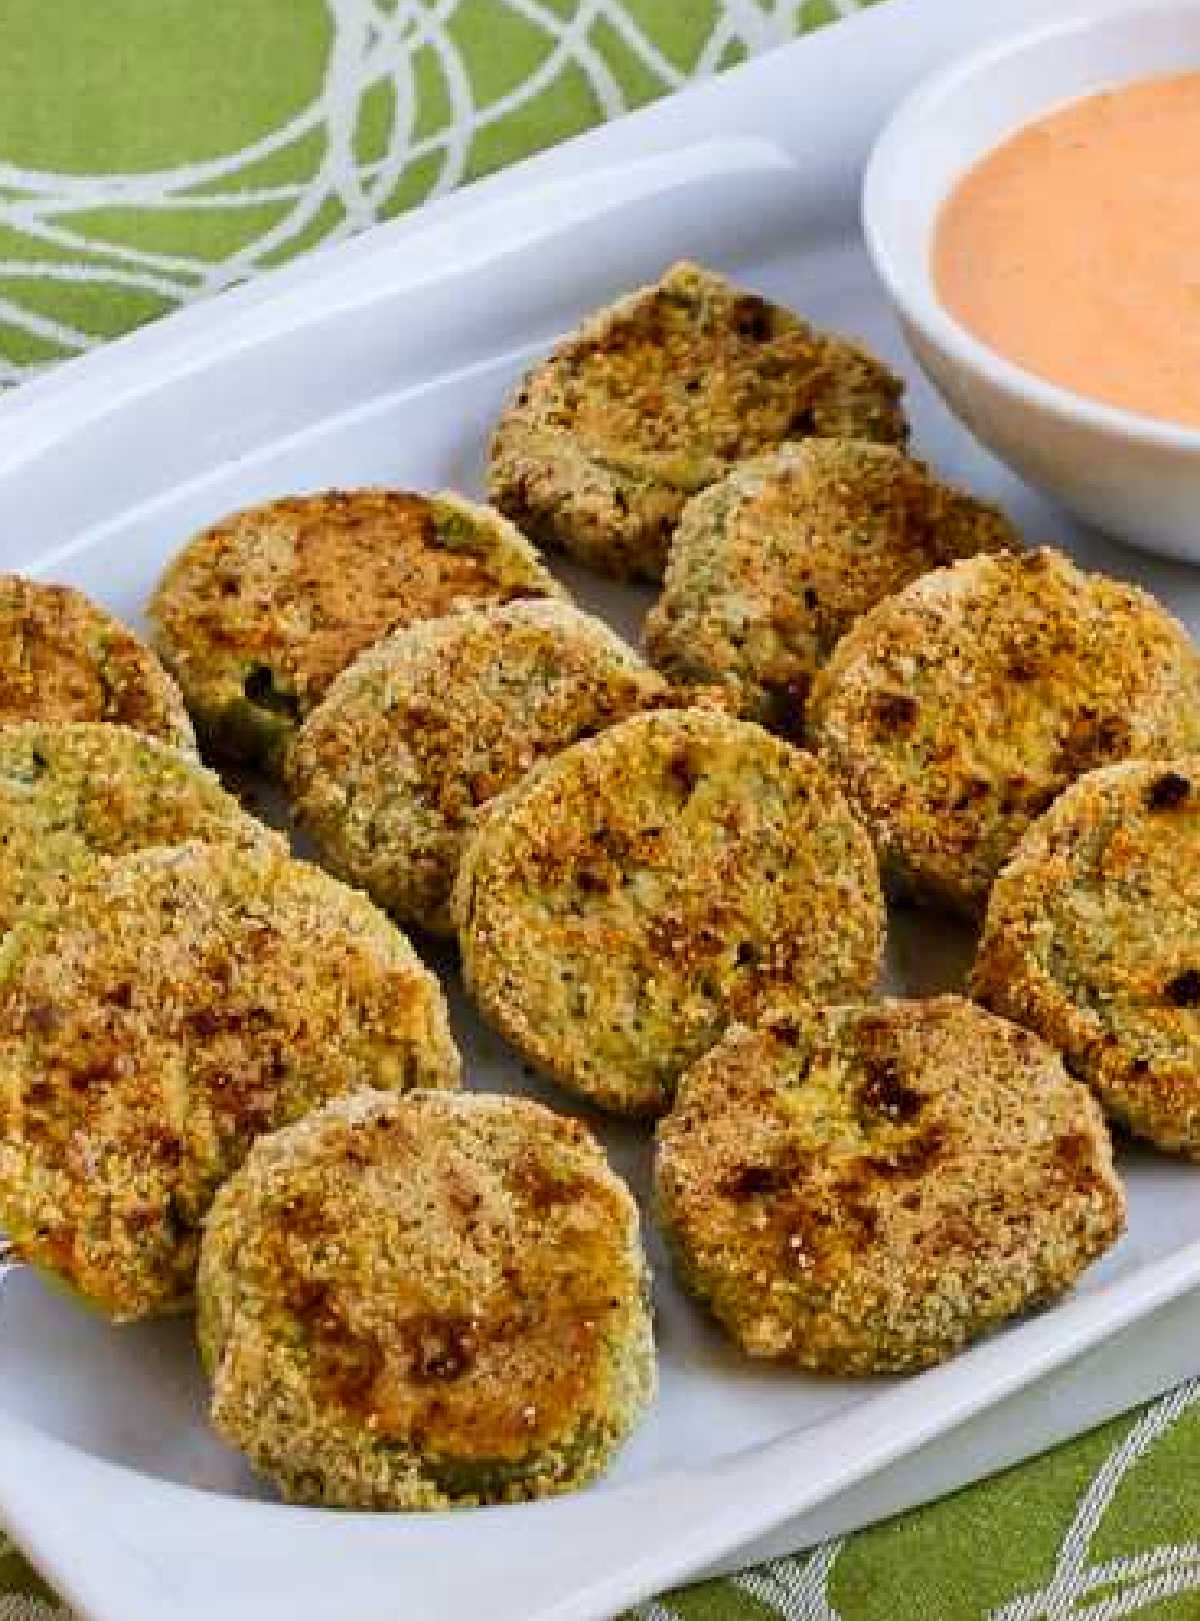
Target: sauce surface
1073	248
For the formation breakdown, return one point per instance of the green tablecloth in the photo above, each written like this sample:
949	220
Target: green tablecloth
154	151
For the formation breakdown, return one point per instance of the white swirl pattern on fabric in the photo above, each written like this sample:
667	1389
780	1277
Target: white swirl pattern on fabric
373	43
798	1589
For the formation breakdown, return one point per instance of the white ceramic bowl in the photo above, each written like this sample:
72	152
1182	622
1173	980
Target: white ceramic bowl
1133	476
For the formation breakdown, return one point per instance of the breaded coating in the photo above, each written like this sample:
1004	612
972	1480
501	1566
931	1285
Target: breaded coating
73	791
638	893
258	614
426	1302
63	657
771	566
1092	939
163	1011
388	772
956	711
659	396
864	1189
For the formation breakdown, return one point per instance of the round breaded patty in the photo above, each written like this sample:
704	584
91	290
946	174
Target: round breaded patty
388	772
659	396
155	1018
258	614
63	657
865	1189
770	567
956	711
636	894
1092	939
426	1302
77	790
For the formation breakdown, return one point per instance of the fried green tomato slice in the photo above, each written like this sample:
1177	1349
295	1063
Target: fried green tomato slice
74	791
956	711
388	772
1092	938
63	657
771	566
427	1301
865	1189
644	889
660	396
258	614
160	1014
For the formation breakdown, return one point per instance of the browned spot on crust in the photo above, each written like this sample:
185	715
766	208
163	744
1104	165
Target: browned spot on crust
1024	667
544	1189
1168	791
1093	740
1076	1155
685	768
787	702
970	793
895	712
1183	990
884	1093
753	317
439	1347
748	1181
913	1157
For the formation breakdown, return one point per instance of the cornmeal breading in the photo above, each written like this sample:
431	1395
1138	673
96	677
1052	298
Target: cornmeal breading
659	396
388	773
864	1189
160	1013
74	791
425	1302
957	710
258	614
1092	939
63	657
771	566
634	895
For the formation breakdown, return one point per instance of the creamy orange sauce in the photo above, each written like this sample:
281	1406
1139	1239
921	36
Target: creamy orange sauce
1073	248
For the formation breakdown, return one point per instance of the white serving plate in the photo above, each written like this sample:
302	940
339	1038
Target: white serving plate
385	360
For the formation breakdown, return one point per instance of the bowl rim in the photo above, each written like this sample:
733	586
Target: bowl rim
911	292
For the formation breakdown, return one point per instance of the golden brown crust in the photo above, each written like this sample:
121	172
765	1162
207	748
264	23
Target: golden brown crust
637	893
864	1189
74	791
389	772
259	613
771	566
1092	939
658	397
956	711
63	657
426	1301
160	1014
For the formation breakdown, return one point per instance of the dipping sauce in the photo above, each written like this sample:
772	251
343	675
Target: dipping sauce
1073	248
